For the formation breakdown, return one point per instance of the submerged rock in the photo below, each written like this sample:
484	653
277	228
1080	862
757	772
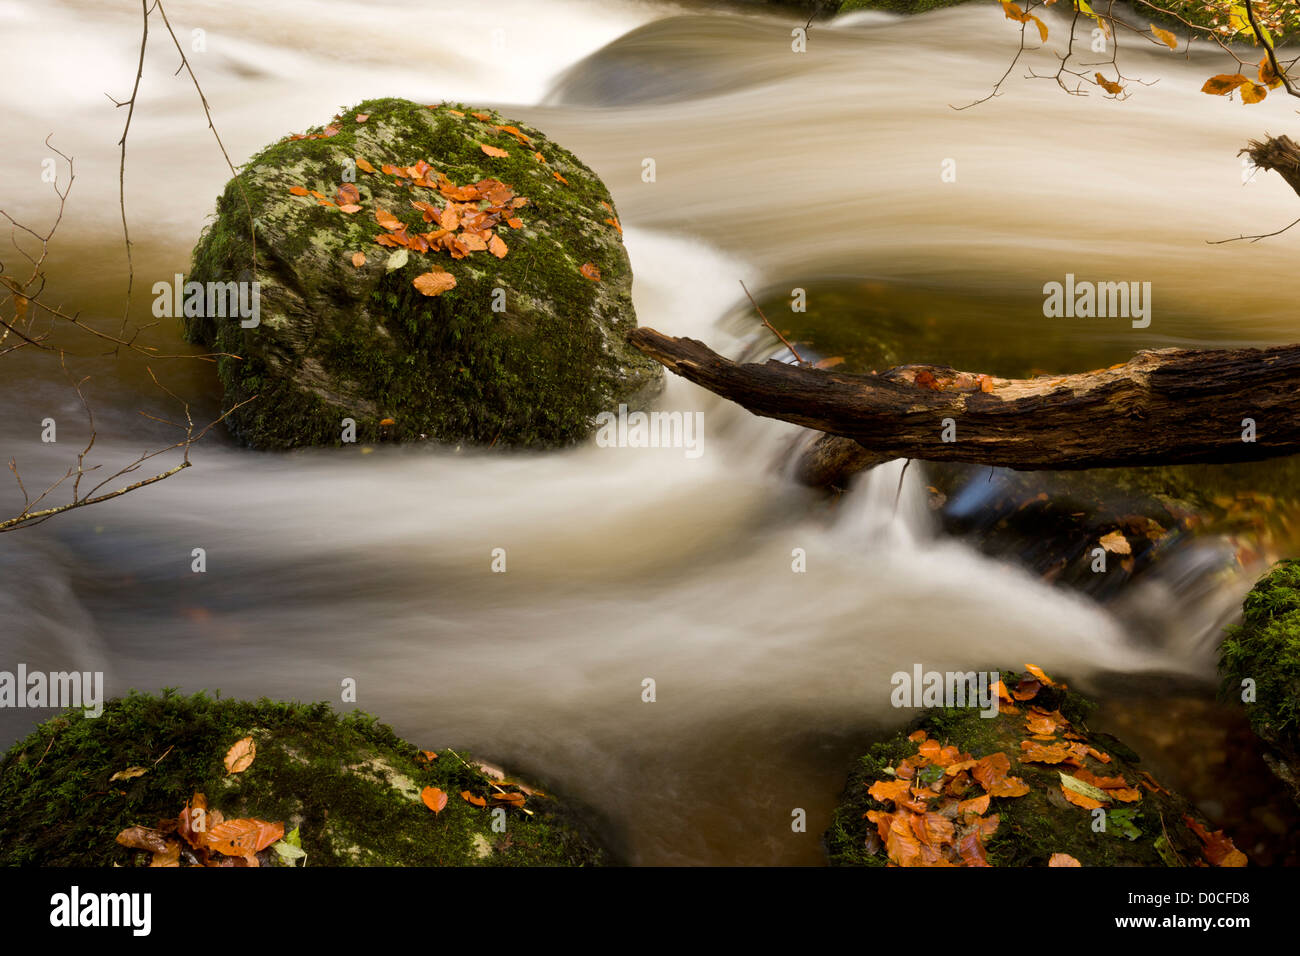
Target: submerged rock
1031	786
524	342
349	785
1260	664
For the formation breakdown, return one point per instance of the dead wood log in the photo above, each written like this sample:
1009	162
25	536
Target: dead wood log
1170	406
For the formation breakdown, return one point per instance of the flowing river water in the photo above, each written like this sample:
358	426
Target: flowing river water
819	170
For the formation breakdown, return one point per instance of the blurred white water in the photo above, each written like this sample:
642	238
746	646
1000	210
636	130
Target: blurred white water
623	563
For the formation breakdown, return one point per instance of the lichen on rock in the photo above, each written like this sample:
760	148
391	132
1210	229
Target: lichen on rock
525	350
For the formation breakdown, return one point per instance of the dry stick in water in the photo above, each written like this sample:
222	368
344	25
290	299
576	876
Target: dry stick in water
797	357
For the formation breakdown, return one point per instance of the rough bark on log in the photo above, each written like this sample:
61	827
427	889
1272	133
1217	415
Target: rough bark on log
1171	406
1278	153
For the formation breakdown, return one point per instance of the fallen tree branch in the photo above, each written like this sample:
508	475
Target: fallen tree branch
1171	406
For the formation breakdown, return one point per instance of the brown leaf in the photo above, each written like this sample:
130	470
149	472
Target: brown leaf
1223	84
387	219
243	837
364	165
883	790
1038	673
1253	92
347	194
435	282
477	801
171	856
991	772
433	798
130	773
497	247
358	259
362	117
143	838
1064	859
591	271
1108	86
1171	41
493	151
240	756
298	190
560	178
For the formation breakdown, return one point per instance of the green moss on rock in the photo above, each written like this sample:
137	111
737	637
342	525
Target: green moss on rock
349	783
1263	653
1032	827
337	341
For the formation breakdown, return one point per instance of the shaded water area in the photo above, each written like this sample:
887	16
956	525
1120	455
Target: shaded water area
819	171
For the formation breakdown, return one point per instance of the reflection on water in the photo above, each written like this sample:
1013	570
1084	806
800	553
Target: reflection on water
818	171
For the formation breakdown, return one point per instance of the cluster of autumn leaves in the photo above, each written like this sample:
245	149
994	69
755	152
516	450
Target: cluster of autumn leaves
436	799
206	837
1220	85
466	223
938	800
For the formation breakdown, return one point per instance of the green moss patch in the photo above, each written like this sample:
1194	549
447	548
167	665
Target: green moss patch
348	783
1259	661
524	350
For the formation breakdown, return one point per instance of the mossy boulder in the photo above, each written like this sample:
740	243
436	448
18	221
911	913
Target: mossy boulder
1262	653
1140	823
525	350
350	786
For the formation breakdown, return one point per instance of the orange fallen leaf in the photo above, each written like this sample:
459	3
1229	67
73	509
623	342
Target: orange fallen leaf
243	837
364	165
590	271
497	247
883	790
991	772
477	801
387	220
433	798
1218	848
362	117
493	151
240	756
560	178
358	259
434	283
1038	672
298	190
1063	859
388	421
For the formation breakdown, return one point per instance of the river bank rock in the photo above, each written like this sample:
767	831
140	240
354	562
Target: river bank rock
1031	786
516	336
349	785
1259	661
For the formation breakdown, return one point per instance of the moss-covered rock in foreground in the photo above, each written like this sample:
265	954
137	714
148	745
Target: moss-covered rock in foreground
1264	650
349	784
1150	830
524	351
